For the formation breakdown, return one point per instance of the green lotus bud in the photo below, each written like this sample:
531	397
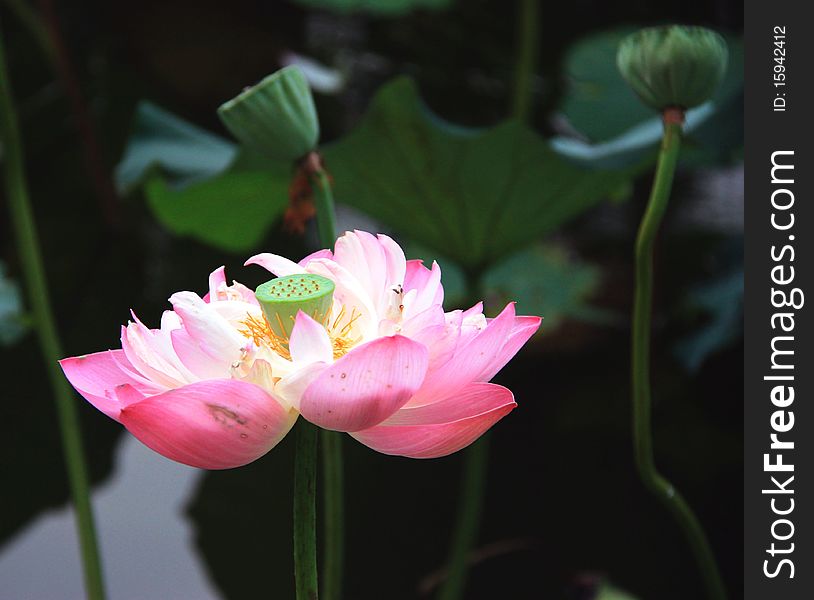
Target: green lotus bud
283	297
673	66
276	117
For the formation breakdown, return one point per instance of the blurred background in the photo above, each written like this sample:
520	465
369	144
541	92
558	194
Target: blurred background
138	191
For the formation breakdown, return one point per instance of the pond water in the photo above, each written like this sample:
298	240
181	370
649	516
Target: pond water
146	541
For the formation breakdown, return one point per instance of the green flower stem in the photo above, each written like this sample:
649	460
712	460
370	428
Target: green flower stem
470	496
333	511
37	288
305	512
332	471
528	36
467	524
642	432
476	457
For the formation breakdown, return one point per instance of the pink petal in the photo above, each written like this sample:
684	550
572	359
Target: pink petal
126	395
216	279
422	287
206	325
261	374
470	363
150	352
394	258
219	290
150	387
278	265
416	274
309	341
216	424
472	323
290	388
96	376
169	321
325	253
198	362
349	292
524	327
441	428
246	293
361	254
367	385
234	311
474	311
437	331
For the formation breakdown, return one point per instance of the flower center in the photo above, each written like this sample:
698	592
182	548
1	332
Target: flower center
282	298
259	330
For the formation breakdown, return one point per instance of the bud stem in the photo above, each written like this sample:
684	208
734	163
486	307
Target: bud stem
528	36
642	432
323	198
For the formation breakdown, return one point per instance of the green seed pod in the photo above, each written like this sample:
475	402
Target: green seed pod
283	297
276	117
673	66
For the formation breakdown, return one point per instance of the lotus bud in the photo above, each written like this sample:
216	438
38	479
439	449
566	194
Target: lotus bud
282	298
673	67
276	117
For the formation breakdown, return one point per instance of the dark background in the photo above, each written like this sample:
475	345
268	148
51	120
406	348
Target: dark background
564	508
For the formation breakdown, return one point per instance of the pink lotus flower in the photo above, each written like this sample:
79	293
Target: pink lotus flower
214	387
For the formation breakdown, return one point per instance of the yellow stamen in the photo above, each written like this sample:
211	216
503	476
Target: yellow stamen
260	332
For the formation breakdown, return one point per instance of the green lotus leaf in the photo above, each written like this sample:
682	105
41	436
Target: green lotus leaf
473	195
